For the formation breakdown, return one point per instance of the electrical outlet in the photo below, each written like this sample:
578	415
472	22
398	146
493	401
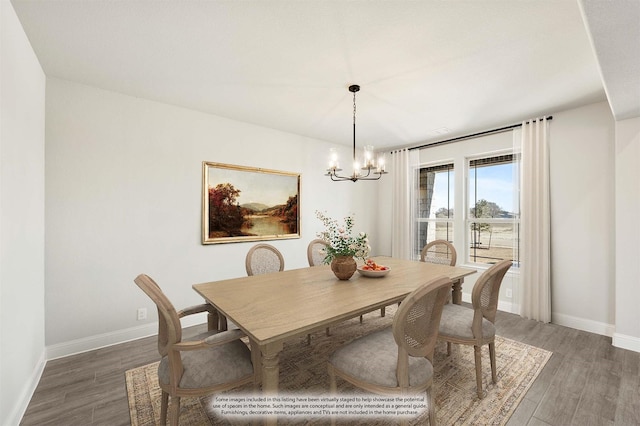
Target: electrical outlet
142	314
508	293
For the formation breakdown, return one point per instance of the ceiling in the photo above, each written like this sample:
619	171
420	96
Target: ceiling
423	66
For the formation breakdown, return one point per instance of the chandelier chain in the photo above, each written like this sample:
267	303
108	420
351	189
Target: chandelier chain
354	107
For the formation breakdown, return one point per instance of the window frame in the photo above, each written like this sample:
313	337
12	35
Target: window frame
468	220
447	165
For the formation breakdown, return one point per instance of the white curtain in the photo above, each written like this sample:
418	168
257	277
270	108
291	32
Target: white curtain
402	214
535	223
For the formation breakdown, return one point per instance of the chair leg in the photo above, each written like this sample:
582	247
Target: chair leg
308	339
492	358
383	311
333	388
360	319
164	402
431	408
478	356
448	348
327	332
174	410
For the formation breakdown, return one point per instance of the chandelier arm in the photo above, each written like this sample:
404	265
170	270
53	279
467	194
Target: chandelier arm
371	178
337	178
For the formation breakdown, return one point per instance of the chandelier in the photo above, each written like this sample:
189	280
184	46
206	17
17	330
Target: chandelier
370	170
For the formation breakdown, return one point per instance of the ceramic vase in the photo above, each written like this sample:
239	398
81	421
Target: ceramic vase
343	267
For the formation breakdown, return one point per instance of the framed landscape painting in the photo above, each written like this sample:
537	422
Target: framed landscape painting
248	204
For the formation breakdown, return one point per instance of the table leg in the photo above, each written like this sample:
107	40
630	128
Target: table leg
456	292
271	372
212	321
256	360
270	367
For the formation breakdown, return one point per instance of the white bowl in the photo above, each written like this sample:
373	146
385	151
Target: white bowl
373	274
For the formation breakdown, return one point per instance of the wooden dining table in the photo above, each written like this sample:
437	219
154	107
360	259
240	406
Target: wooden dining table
275	307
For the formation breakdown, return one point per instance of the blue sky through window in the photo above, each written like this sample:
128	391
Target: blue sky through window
495	184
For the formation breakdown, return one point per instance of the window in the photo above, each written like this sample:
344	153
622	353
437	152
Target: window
493	216
434	205
467	193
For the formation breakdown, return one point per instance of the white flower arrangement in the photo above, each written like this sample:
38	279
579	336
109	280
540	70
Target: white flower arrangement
340	241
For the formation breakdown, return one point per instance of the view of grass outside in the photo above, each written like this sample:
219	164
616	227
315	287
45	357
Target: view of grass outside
492	196
494	244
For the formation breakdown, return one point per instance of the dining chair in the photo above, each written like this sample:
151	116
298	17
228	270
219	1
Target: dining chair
475	326
439	251
210	362
262	259
315	252
397	360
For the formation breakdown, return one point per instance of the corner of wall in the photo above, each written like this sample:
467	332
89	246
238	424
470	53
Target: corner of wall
23	399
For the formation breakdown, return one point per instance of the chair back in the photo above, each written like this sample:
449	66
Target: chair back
169	328
315	252
416	323
439	251
262	259
486	290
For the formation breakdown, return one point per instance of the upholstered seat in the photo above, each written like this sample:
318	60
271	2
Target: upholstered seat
212	366
457	320
474	326
397	360
373	359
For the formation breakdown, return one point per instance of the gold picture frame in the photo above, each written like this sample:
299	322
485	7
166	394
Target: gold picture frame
242	203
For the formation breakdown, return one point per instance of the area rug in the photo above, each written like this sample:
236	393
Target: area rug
303	371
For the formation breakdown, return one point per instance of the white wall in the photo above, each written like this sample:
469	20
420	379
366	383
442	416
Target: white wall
627	234
583	238
22	84
582	218
123	197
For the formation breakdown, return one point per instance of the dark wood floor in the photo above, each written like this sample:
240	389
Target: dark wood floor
586	382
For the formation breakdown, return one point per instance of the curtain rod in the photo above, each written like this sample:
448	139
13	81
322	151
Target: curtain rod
486	132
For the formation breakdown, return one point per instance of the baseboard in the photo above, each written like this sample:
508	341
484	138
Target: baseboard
107	339
626	342
568	321
502	305
583	324
15	417
507	307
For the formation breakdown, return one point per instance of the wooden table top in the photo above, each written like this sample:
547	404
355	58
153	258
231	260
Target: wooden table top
281	305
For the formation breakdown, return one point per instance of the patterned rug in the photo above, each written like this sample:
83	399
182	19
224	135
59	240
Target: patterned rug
303	371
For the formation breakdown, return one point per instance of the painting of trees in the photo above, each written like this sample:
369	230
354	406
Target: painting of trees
225	215
242	203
